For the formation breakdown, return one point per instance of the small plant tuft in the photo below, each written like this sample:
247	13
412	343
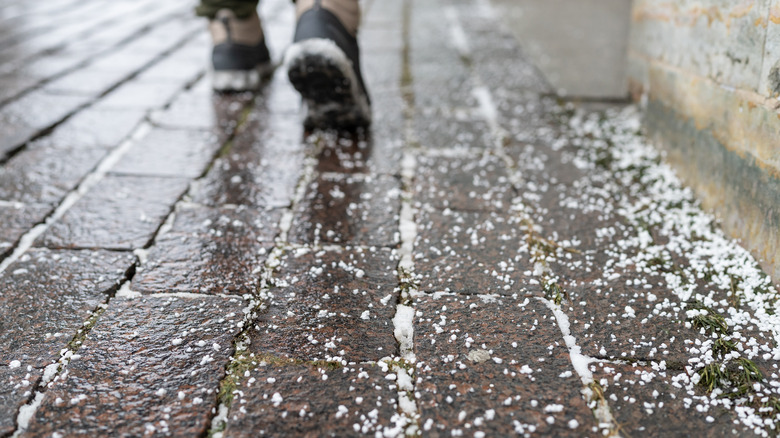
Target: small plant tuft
712	376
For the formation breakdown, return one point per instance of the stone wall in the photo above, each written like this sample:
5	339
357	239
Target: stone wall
709	72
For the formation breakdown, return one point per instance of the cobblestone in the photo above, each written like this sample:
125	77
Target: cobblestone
328	304
483	261
47	295
495	365
210	251
122	213
148	363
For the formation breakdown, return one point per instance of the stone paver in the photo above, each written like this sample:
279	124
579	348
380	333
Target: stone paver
150	365
44	175
463	183
483	261
169	153
210	251
331	303
356	210
122	213
280	398
47	295
17	219
644	404
495	365
261	168
472	252
16	388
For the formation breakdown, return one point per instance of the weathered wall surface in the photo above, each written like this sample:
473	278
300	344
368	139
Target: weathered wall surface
710	70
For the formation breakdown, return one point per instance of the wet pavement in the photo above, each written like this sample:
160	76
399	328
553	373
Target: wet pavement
484	261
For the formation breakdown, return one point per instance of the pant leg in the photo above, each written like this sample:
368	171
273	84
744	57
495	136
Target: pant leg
242	8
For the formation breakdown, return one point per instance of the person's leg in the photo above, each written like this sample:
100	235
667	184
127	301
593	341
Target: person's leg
323	64
240	57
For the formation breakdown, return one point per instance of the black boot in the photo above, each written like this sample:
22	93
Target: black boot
323	64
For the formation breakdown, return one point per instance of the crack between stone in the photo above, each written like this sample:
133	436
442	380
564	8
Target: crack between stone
219	420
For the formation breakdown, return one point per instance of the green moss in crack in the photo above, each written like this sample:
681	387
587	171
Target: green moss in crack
240	364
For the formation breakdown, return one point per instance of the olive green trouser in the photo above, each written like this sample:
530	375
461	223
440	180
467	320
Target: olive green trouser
242	8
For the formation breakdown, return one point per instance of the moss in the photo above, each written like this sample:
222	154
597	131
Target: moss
241	363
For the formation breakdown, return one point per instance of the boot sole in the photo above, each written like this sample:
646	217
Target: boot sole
323	74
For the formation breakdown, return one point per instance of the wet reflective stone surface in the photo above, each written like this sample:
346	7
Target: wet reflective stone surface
44	175
17	219
123	212
281	398
458	129
357	210
16	387
218	113
94	127
331	303
169	153
482	261
210	251
496	365
260	169
472	253
150	365
23	118
140	94
47	295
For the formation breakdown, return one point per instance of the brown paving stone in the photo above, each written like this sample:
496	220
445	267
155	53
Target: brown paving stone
86	82
644	402
218	113
472	252
329	303
141	95
46	296
630	316
173	153
359	210
260	170
344	153
351	153
44	175
147	363
457	130
31	114
382	68
498	365
122	212
463	183
16	388
215	251
94	127
285	399
17	219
